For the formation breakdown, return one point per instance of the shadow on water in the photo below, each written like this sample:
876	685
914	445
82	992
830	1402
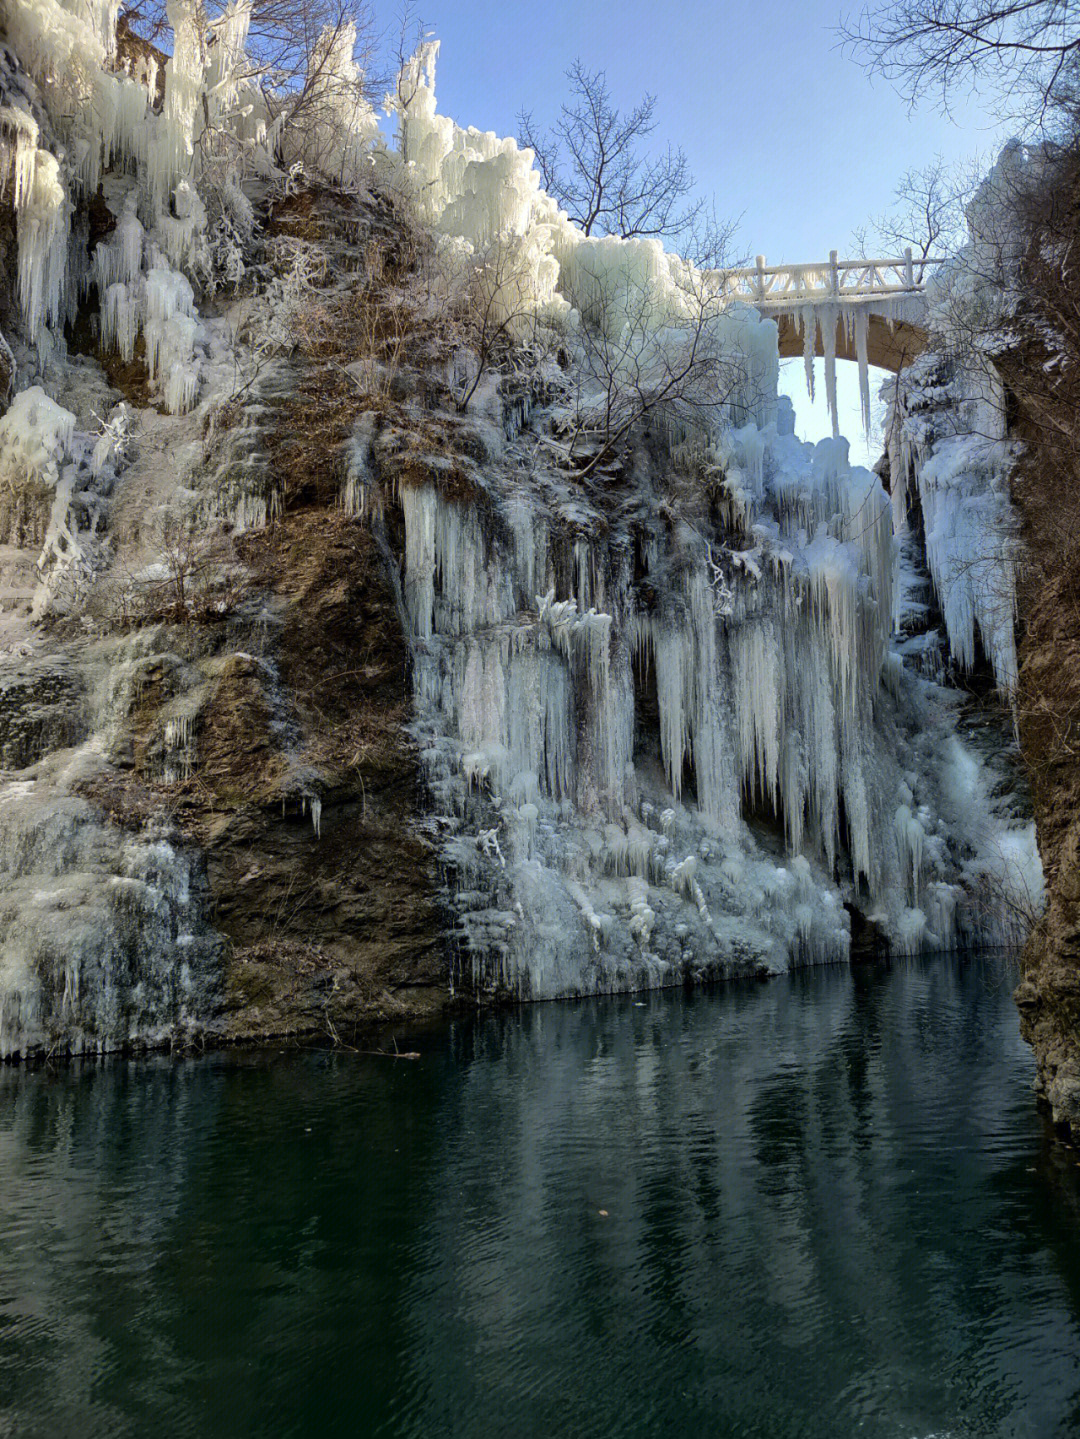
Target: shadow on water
821	1207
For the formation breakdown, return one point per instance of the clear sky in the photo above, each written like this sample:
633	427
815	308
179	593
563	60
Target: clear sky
785	130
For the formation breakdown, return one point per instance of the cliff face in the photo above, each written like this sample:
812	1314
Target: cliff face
1048	996
214	831
406	597
1006	368
1047	492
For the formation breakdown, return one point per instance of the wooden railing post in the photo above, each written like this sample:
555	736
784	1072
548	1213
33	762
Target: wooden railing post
761	277
834	269
909	269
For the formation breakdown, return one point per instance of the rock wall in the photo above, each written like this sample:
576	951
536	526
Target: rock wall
407	599
210	811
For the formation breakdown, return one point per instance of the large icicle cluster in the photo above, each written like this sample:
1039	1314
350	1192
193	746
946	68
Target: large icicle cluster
798	767
99	124
74	117
678	741
949	458
950	465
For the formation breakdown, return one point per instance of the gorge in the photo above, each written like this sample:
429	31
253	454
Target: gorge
409	600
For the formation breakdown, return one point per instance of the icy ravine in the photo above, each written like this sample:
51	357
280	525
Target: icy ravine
673	732
657	756
665	728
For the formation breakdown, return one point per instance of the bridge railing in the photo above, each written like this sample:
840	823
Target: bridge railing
835	279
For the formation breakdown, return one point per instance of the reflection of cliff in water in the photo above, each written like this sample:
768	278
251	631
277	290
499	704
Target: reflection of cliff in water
829	1204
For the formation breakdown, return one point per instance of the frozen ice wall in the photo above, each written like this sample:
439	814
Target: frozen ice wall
664	725
950	464
673	737
674	732
950	459
104	940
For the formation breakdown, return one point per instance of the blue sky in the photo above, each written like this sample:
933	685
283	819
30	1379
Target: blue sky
786	131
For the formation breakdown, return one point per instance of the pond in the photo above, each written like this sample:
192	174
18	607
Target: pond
818	1207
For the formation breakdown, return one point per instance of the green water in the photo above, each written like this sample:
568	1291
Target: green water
831	1209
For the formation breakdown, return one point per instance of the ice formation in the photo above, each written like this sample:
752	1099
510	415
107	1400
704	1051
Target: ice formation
949	456
959	475
105	941
796	766
670	717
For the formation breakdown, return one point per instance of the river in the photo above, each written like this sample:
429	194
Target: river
821	1207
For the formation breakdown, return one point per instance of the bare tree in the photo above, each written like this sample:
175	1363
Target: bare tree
928	215
410	71
1020	50
591	163
499	311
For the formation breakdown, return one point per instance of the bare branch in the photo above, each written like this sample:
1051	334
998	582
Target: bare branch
591	163
1019	50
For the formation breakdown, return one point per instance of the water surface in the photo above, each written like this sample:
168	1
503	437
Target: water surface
821	1207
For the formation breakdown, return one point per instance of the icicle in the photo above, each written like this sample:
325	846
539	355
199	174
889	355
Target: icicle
808	324
829	322
862	325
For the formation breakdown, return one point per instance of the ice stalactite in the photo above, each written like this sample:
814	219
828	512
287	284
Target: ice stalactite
784	707
170	331
951	465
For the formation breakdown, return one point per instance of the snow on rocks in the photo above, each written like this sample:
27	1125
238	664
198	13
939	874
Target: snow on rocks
663	722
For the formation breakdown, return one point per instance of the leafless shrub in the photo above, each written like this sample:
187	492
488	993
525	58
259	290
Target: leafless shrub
409	73
196	577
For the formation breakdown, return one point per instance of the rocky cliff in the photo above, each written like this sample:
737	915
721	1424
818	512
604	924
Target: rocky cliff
407	599
1039	364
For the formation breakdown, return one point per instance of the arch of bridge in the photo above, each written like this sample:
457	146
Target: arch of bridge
890	346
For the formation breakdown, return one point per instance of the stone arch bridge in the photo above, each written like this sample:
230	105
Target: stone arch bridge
869	311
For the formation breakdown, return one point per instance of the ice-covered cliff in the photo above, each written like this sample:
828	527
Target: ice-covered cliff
403	593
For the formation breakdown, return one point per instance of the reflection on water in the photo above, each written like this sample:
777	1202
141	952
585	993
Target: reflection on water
824	1206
